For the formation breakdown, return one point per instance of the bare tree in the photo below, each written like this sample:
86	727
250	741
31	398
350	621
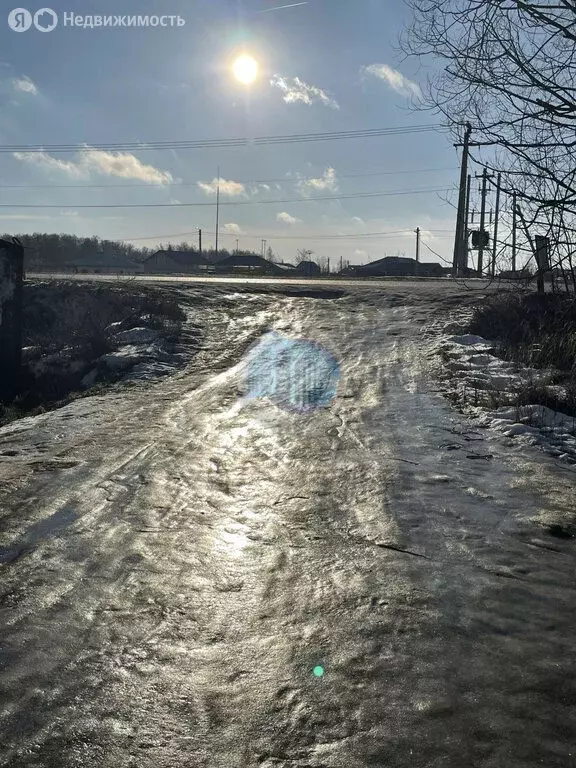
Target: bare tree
509	67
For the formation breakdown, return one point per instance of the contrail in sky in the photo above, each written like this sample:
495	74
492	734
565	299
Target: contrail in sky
279	7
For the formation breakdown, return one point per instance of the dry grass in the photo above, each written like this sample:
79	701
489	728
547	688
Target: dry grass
535	330
69	316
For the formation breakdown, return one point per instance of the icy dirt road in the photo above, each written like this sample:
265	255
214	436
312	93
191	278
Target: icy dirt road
177	560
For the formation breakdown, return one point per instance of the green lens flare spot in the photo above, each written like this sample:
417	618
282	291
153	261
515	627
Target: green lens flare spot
318	671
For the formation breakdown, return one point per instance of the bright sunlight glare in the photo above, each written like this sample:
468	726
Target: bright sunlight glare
245	69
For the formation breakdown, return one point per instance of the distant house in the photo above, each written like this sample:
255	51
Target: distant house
401	267
247	264
389	265
430	269
100	263
179	262
308	269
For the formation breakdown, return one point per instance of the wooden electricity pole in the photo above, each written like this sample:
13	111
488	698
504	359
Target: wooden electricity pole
217	210
514	226
495	236
482	221
459	237
466	223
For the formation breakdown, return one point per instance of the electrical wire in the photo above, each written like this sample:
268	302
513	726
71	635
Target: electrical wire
424	243
276	236
355	195
222	143
281	180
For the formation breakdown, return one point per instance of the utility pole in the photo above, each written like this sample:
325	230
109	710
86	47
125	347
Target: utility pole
514	225
497	213
217	210
328	264
459	242
482	220
236	246
466	224
200	242
417	230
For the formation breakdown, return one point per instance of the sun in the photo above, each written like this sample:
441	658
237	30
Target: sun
245	69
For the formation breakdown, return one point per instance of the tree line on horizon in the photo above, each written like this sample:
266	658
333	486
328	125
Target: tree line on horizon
56	250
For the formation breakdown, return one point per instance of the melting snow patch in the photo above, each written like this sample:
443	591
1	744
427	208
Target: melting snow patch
468	340
123	358
481	378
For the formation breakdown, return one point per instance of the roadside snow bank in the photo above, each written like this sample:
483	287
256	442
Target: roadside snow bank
487	389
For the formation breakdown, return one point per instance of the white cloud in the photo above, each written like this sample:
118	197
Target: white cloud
233	228
257	188
327	182
360	254
287	219
44	160
232	188
122	165
357	219
295	90
25	85
394	79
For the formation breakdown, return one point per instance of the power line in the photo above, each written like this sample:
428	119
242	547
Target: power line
222	143
356	195
276	236
281	180
435	253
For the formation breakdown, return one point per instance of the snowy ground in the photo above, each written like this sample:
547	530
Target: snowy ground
480	381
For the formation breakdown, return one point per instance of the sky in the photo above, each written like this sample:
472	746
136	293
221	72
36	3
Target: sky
324	66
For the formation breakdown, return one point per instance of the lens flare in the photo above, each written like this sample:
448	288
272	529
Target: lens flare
318	671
